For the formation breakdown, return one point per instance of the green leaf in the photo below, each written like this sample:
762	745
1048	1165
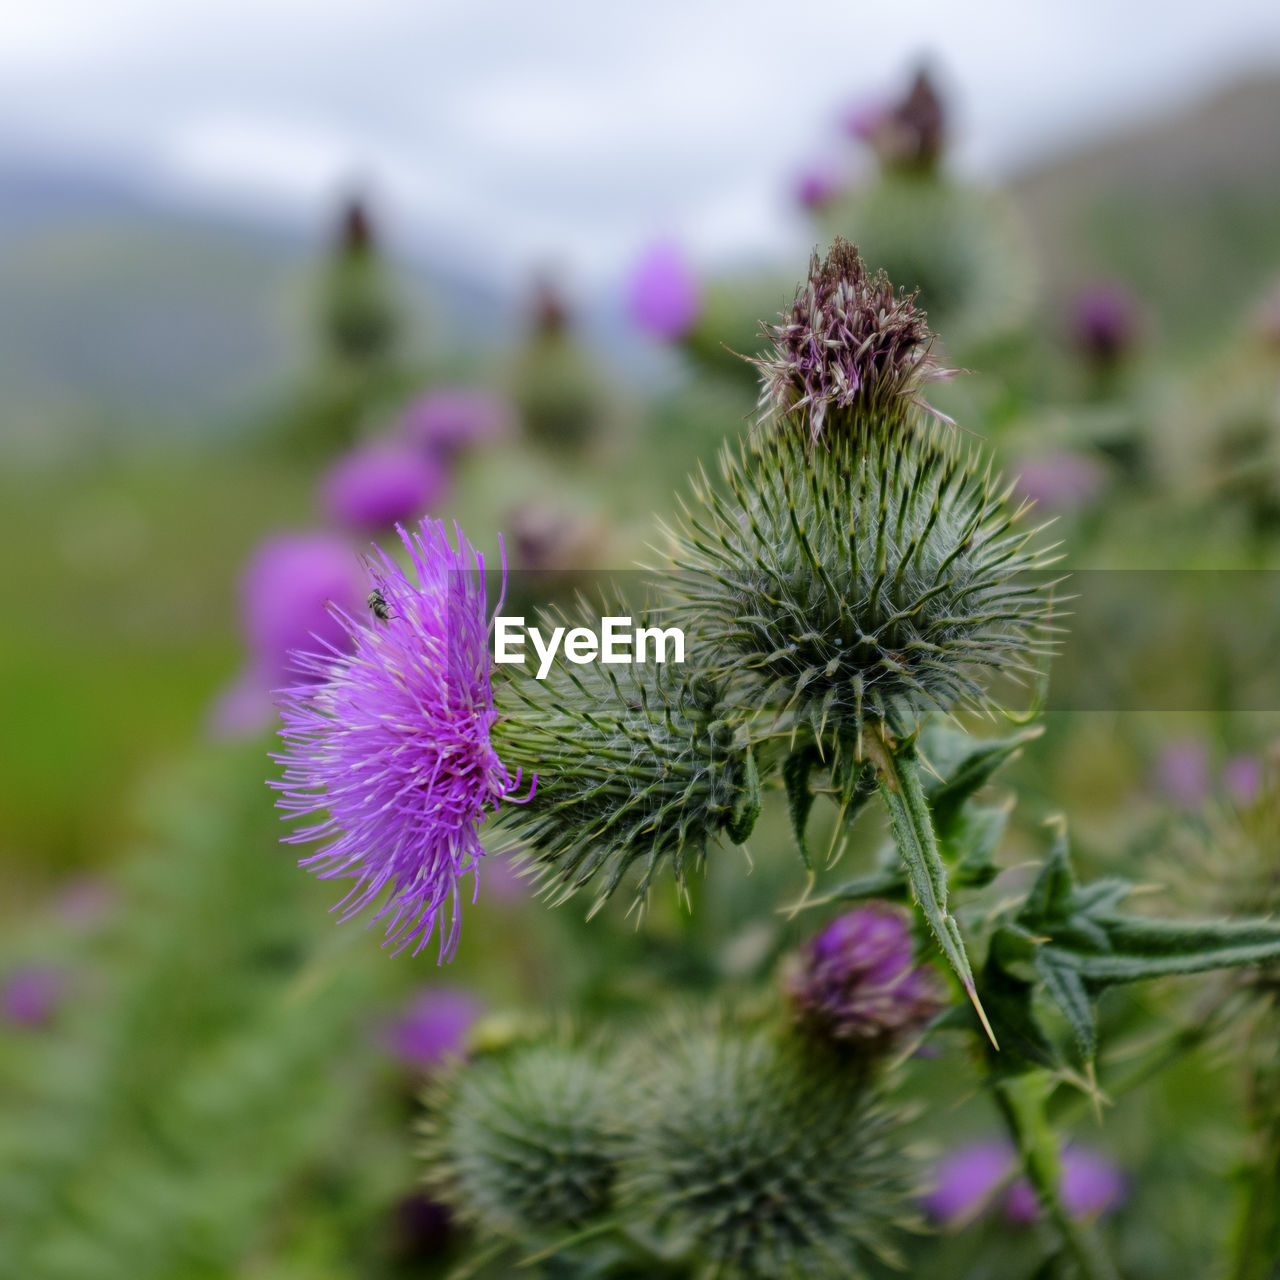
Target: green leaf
970	843
747	803
796	769
965	765
1066	988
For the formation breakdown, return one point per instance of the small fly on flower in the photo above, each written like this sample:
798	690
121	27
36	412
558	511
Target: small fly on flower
378	606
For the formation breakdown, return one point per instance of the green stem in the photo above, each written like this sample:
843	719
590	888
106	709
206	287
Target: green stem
1021	1100
913	833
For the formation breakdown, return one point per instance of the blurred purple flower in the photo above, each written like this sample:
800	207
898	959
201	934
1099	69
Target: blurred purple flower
1059	482
434	1026
858	981
663	296
286	593
422	1228
1182	773
1105	322
378	486
86	901
864	120
966	1179
390	743
30	997
817	188
1091	1185
450	420
1242	778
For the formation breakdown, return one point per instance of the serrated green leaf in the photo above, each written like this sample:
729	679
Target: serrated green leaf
747	803
1065	987
796	770
965	765
970	843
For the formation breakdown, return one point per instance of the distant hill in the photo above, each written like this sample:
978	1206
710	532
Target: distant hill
1186	208
125	315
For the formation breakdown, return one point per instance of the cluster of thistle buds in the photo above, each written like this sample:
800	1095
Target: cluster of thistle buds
856	571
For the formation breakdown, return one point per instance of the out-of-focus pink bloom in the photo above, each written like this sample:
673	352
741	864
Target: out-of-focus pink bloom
450	420
1105	321
966	1179
378	486
663	294
86	901
30	997
1242	778
1091	1185
434	1026
817	188
1060	482
1182	773
287	591
864	120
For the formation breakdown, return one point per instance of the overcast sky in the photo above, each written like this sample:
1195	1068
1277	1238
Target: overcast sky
522	134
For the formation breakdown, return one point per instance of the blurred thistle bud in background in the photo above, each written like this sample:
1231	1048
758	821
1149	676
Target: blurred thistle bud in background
1106	323
287	593
449	421
1060	482
433	1028
359	318
760	1157
857	982
376	486
31	996
525	1141
910	135
663	294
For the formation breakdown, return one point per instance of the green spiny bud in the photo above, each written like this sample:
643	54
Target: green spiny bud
523	1141
763	1158
638	765
876	580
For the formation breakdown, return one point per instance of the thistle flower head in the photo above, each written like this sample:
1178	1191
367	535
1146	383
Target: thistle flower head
1105	322
30	997
851	351
965	1181
378	486
763	1159
868	582
640	765
390	743
524	1141
663	296
1061	481
450	420
1090	1186
434	1026
858	983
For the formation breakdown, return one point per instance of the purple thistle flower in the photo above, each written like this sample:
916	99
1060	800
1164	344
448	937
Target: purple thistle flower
966	1179
450	420
1105	322
817	188
30	997
663	296
864	120
1182	773
1242	779
1060	482
434	1026
391	742
857	981
286	591
381	485
1091	1185
849	349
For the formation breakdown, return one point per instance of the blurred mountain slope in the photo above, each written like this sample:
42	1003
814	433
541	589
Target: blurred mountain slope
1185	208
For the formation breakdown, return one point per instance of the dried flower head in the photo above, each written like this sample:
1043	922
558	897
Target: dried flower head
858	982
525	1140
852	351
391	743
638	765
761	1158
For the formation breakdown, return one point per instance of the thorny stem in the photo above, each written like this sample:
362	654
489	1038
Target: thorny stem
1021	1100
918	847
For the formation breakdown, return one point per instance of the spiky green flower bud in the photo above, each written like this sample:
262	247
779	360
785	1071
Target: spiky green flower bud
639	765
763	1158
524	1141
851	352
875	580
